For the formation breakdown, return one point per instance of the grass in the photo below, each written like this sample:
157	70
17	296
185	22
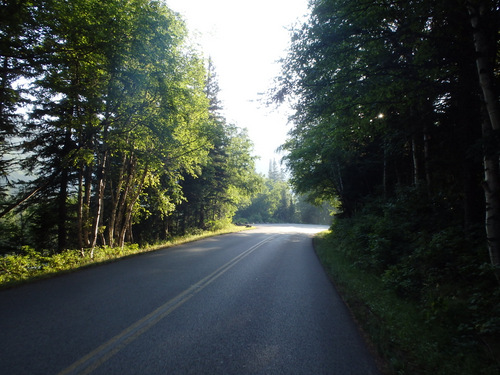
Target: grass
404	339
17	269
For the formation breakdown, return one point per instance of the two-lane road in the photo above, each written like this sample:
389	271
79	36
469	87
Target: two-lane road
254	302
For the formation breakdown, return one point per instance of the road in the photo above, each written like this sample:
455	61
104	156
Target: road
254	302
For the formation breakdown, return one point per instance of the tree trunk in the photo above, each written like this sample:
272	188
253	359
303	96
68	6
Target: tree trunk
62	212
120	221
485	33
492	194
63	196
79	213
127	223
101	184
384	172
201	219
87	194
115	201
427	158
3	87
27	196
416	160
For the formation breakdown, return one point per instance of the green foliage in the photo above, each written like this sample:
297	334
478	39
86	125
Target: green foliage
12	231
429	263
383	97
456	333
387	119
313	213
122	127
226	179
276	203
32	265
273	204
217	225
19	35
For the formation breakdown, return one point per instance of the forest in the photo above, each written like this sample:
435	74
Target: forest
397	116
112	133
113	117
276	203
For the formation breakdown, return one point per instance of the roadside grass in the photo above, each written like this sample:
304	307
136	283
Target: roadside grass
17	269
397	329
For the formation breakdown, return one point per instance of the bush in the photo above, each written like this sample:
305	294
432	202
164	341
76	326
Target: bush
434	311
418	249
216	225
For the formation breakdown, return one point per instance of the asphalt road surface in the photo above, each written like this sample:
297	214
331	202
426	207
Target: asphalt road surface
254	302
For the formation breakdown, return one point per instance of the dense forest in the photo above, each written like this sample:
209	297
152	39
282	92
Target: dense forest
276	203
112	132
115	120
397	115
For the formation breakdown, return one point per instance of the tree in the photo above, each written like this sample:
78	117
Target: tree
274	202
20	34
275	173
227	179
484	18
386	96
395	105
117	108
313	214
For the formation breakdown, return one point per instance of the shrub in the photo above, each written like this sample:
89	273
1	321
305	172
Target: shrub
417	248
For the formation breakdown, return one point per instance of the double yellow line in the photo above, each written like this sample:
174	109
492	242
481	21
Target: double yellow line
103	353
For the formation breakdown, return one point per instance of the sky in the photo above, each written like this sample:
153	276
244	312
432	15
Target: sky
245	39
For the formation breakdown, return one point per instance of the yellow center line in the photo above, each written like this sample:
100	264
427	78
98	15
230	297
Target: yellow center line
100	355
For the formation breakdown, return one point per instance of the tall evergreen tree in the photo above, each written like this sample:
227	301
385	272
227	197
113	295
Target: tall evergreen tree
386	97
227	179
117	102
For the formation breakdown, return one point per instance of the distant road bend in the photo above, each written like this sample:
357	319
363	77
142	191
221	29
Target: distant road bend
254	302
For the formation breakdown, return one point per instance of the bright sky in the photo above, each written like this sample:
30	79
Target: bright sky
245	39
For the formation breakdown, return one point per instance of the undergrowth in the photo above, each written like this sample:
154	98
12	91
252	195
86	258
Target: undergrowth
422	289
31	265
